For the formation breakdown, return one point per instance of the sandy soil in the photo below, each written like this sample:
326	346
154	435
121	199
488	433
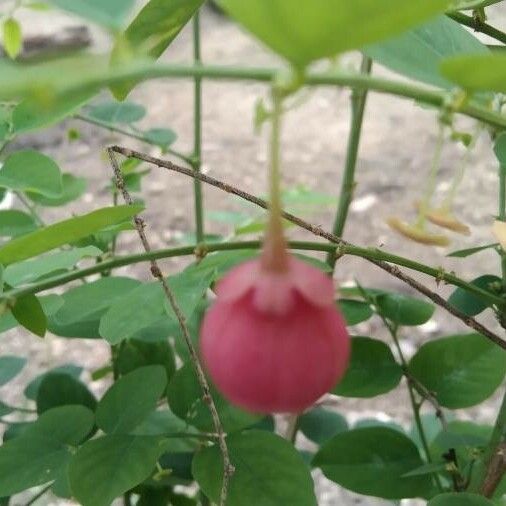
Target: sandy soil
395	154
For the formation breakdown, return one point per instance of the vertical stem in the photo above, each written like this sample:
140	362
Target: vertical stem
197	132
481	474
414	405
358	101
275	254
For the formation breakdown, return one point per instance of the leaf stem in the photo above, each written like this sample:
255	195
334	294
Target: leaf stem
358	101
401	89
197	133
123	131
478	26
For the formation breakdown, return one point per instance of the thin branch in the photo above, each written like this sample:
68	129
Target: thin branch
134	135
343	246
139	223
478	26
400	89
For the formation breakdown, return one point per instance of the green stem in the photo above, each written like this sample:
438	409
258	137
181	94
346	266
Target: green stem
358	101
197	133
30	208
333	78
123	131
274	253
368	253
414	405
485	28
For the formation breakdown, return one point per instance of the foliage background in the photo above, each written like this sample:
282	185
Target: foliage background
396	147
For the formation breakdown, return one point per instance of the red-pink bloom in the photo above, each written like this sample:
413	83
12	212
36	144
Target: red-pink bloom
274	341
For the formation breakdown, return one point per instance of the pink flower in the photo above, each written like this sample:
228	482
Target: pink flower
274	341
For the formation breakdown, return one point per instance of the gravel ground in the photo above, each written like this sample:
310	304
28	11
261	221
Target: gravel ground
397	145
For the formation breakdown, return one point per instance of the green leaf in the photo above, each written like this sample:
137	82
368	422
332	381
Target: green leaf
117	112
32	388
459	499
29	313
303	31
10	366
88	302
404	310
372	370
268	471
136	353
14	223
32	114
471	304
51	79
73	188
419	52
319	425
12	37
39	454
64	232
485	72
461	370
110	14
355	311
372	461
162	137
129	401
462	253
31	270
60	389
107	467
32	171
153	30
185	400
146	305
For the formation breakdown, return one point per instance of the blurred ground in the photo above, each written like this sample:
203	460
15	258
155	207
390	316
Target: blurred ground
396	149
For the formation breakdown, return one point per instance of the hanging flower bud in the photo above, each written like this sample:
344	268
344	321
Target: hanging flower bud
274	340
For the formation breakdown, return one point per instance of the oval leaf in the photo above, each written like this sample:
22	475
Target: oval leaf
60	389
470	303
320	425
372	370
130	400
268	471
31	171
106	467
303	31
372	461
64	232
461	370
355	311
404	310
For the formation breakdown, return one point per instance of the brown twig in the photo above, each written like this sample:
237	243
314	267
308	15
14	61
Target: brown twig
496	470
318	231
139	223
